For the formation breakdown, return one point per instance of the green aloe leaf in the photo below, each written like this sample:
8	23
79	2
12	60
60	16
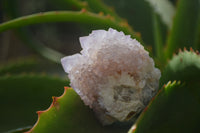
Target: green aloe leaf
23	95
83	17
184	32
175	101
98	6
185	67
162	16
69	114
69	16
18	66
138	14
19	130
29	65
12	9
175	109
158	37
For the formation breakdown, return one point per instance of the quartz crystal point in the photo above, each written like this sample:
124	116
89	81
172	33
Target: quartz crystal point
113	75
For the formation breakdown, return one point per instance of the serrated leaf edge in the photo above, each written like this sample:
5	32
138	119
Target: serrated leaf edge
53	104
186	50
165	86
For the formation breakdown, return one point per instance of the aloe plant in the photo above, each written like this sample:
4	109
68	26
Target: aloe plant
28	84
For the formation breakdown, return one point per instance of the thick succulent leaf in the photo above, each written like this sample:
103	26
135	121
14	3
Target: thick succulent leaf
19	66
69	114
175	109
162	16
19	130
184	32
138	14
159	33
185	67
29	65
165	9
23	95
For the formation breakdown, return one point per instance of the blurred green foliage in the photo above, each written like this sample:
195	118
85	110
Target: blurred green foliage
30	70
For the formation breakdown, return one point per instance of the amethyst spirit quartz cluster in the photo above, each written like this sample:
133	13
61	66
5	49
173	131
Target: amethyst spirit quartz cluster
113	74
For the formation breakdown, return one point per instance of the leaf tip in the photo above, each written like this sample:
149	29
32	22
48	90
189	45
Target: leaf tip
197	52
191	49
83	10
133	129
124	23
138	34
101	14
66	88
180	50
108	16
39	113
55	100
185	49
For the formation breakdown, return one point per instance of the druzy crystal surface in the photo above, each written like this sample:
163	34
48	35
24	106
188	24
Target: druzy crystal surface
113	74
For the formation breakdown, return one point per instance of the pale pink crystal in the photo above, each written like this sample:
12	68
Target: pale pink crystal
113	75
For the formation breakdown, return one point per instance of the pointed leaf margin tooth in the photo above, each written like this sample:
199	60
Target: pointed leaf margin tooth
53	104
